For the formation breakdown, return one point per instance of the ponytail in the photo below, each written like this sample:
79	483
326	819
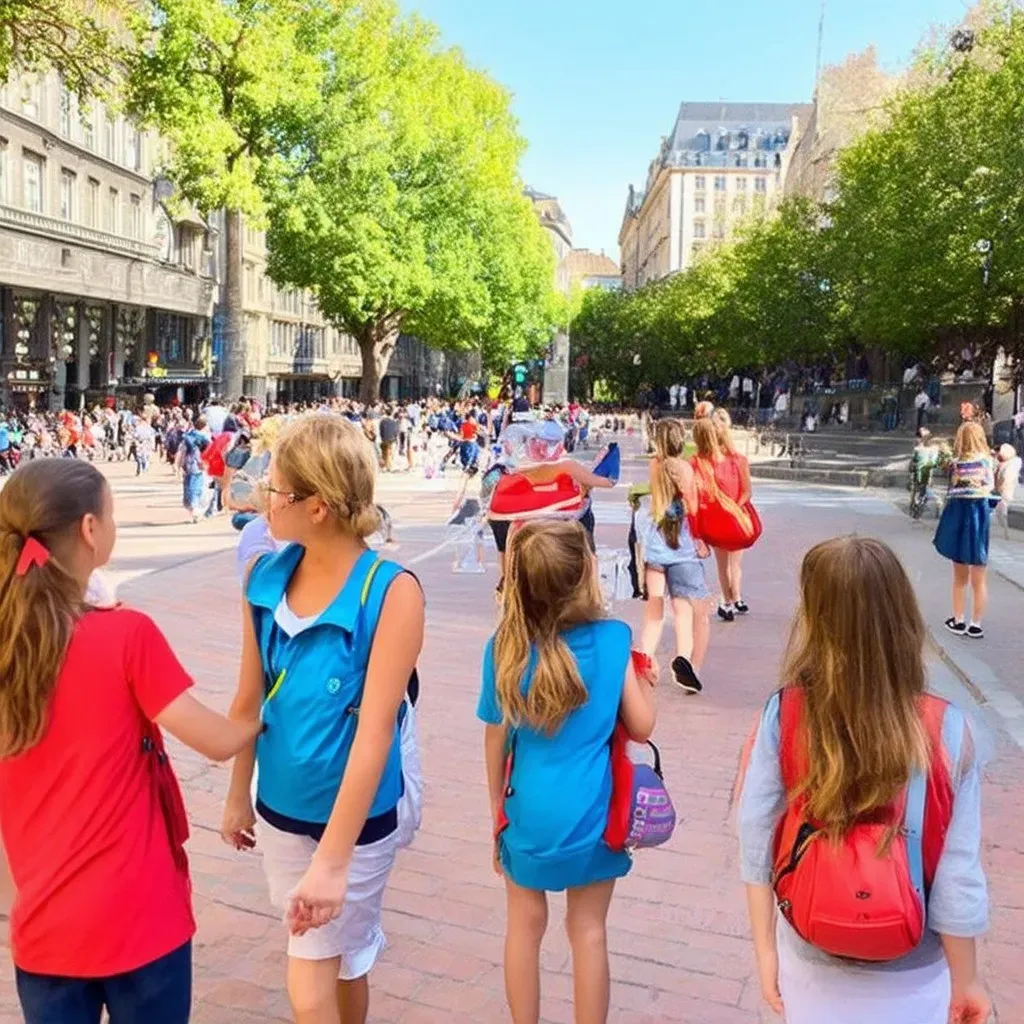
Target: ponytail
41	508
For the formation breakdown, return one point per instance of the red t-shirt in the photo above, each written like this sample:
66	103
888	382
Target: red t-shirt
469	429
98	889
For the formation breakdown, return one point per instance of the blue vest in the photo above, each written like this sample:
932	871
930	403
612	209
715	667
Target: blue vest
313	686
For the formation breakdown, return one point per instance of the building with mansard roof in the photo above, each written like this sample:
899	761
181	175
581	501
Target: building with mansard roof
720	163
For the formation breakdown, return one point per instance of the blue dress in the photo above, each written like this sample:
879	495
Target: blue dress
561	784
963	531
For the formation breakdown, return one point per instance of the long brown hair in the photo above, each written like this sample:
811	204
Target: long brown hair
856	650
550	585
45	499
669	443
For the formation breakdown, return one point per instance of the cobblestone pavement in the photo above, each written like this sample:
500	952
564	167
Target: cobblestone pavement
677	928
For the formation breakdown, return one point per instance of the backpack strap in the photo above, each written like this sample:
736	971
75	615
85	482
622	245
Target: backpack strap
913	826
791	757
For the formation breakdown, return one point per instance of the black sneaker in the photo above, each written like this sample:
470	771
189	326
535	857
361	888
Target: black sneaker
741	607
959	628
726	614
685	676
975	633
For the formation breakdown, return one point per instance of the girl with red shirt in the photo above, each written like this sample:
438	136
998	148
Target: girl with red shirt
717	456
90	811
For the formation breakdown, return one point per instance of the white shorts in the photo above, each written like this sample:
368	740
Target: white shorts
355	934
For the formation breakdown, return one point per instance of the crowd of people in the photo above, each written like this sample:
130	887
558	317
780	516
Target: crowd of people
858	799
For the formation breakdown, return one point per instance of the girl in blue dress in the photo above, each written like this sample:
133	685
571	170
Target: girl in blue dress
556	678
963	531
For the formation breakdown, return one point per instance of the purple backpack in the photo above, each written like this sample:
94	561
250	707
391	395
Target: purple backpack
640	814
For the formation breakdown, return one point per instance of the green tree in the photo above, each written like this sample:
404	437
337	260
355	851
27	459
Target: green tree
401	206
71	36
227	82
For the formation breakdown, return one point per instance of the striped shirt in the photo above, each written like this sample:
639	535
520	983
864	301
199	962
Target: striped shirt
971	478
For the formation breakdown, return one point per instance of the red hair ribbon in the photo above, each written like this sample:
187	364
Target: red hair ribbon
32	553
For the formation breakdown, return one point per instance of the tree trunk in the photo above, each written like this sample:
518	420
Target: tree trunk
376	346
233	357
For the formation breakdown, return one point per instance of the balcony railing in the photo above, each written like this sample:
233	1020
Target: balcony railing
52	227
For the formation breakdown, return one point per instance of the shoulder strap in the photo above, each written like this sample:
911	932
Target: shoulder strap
913	825
791	708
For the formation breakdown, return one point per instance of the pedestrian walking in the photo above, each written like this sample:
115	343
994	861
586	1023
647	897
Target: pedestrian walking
329	655
859	812
556	679
962	535
195	484
90	811
673	557
728	521
1007	478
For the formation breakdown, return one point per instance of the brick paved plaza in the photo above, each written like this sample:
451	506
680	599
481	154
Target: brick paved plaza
677	926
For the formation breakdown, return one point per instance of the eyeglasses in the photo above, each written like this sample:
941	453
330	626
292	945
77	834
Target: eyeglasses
290	496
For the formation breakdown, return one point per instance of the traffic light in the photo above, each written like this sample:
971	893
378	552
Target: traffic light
519	373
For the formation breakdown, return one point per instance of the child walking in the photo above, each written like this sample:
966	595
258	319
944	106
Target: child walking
844	746
90	810
331	635
556	677
673	558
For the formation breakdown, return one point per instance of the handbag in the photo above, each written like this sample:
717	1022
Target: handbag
723	523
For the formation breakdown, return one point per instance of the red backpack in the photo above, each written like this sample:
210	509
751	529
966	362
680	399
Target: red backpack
847	898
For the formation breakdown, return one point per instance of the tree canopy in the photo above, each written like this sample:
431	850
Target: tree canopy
917	249
71	36
400	204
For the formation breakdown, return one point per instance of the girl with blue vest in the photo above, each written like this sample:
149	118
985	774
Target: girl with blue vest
331	634
556	678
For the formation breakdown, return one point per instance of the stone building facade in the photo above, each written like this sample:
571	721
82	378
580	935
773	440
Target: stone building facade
721	163
103	291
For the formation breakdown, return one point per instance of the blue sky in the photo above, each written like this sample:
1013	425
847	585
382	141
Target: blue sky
597	83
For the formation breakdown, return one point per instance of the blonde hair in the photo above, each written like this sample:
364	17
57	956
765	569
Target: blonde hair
703	409
856	651
326	455
970	441
705	437
1007	452
550	585
723	428
45	499
669	443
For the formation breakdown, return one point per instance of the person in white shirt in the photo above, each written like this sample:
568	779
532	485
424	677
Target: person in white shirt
922	403
215	414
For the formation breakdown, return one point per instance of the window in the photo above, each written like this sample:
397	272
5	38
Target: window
720	208
135	217
697	248
68	182
32	96
700	183
718	230
739	206
109	133
113	210
88	128
741	184
760	184
250	285
720	183
699	230
132	148
699	204
66	112
92	203
3	171
32	181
